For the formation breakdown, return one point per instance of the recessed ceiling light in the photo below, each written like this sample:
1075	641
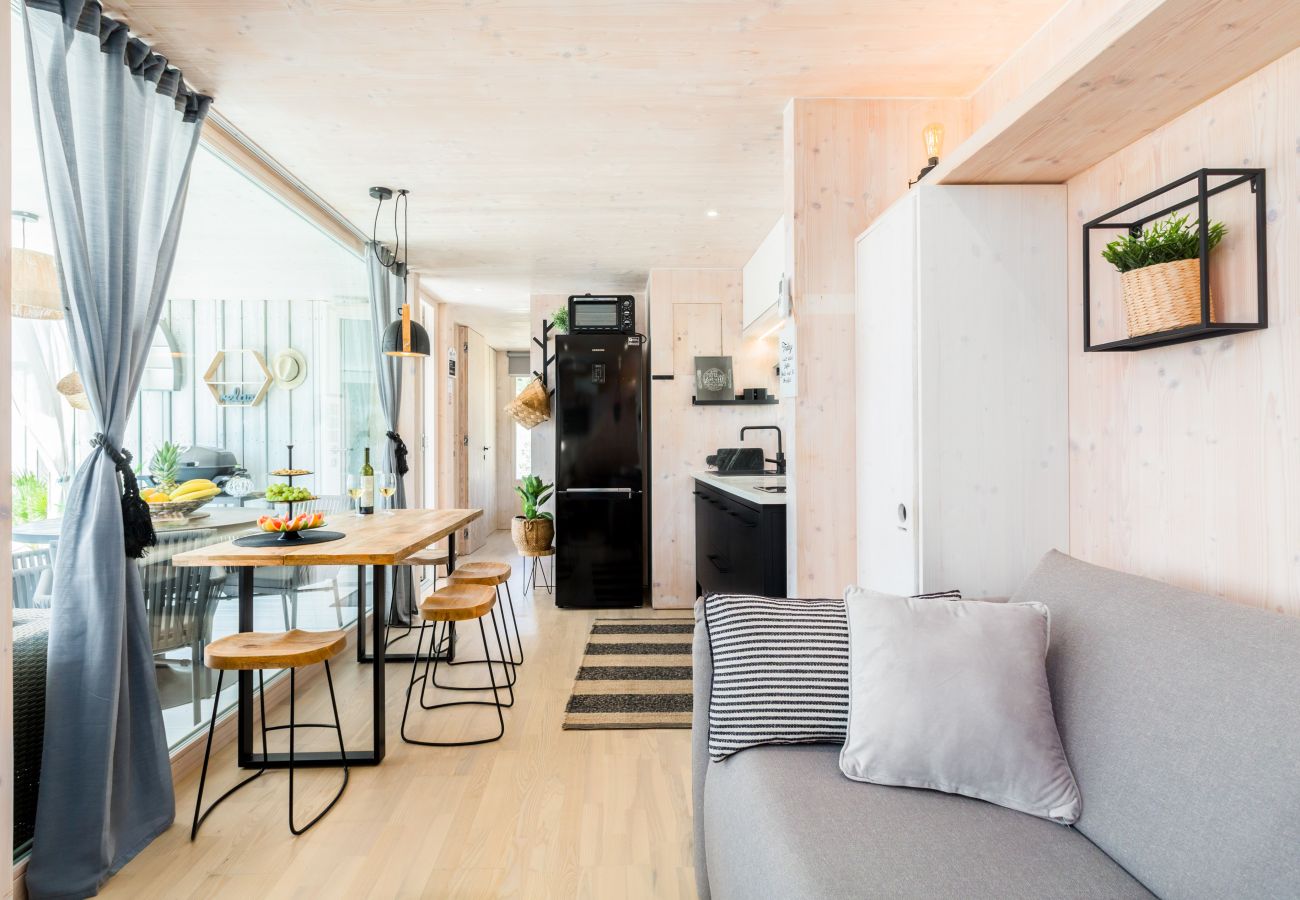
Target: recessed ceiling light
712	214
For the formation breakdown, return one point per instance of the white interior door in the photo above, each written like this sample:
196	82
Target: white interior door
481	433
886	400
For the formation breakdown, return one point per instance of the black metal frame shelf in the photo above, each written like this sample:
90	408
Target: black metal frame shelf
1201	200
544	343
769	401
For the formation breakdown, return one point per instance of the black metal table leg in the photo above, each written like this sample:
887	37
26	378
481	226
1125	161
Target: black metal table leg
368	656
245	701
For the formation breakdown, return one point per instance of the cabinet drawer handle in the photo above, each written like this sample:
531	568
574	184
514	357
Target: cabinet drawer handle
713	558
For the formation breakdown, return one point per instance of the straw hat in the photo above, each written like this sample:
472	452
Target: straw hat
290	368
73	391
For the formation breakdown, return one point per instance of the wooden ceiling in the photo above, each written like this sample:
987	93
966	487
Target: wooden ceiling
562	146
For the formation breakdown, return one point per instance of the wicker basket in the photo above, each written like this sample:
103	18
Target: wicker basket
533	405
532	535
1163	297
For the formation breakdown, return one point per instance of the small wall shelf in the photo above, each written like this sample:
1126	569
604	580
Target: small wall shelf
770	401
1117	220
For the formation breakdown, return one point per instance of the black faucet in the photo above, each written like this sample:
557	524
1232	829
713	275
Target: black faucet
780	455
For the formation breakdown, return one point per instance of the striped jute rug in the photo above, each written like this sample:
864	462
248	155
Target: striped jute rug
636	673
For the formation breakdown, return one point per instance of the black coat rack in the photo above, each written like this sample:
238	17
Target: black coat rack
544	343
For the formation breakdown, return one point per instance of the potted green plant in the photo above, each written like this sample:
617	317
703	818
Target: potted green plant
30	497
535	529
560	320
1160	274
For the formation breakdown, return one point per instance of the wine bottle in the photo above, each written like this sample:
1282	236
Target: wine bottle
366	504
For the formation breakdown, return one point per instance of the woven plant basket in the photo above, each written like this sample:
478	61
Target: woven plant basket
532	407
532	535
1163	297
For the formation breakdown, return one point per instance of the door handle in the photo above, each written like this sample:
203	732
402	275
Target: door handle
713	558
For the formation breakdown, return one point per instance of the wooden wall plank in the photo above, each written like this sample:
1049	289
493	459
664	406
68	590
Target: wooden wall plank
692	312
1182	458
845	161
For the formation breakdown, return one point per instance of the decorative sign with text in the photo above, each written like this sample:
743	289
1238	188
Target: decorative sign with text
788	373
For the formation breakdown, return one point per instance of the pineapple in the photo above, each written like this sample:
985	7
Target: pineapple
165	466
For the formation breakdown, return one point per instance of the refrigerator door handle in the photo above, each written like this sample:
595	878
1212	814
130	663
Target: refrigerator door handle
622	490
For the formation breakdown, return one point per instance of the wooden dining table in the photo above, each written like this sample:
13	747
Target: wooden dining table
378	541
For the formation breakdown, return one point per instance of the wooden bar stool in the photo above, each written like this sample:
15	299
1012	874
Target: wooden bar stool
494	574
533	559
432	556
455	603
278	650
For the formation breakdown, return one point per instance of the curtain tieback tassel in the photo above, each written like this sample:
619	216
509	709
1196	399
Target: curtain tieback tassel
399	454
137	525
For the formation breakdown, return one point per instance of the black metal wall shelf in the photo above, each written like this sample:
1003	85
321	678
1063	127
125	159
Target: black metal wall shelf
547	357
770	401
1204	191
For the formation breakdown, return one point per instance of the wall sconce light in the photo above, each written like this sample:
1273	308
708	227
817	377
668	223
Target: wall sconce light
932	135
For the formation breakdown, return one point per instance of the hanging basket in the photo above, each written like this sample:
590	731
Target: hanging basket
533	405
532	535
1163	297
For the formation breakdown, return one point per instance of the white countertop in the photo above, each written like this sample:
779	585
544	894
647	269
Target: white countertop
743	486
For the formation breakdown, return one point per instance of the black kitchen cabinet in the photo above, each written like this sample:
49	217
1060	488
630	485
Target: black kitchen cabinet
739	546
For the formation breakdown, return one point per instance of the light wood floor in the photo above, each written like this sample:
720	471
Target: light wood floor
541	813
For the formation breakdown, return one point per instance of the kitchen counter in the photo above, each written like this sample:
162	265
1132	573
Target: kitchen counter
743	487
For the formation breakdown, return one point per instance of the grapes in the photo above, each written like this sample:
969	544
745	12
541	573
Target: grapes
284	493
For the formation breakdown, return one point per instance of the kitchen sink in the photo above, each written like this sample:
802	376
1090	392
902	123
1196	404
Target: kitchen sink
771	488
745	473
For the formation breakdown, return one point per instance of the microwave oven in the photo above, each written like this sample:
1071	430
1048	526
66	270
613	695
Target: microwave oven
602	315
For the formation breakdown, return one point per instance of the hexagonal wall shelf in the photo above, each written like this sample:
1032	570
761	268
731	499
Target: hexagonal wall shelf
242	391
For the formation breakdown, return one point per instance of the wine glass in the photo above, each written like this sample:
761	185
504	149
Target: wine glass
354	490
387	488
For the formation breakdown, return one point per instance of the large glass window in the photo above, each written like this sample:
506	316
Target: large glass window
256	287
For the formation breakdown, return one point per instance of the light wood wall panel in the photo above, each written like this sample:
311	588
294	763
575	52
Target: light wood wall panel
693	312
846	160
1183	459
1058	37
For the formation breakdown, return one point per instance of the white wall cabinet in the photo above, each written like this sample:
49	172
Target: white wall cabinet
961	336
761	277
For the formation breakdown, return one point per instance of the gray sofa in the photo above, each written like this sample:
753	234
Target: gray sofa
1180	715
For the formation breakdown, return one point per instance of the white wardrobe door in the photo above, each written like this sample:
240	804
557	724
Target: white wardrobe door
886	401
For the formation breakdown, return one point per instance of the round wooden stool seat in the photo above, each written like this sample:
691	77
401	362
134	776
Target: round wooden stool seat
458	603
429	556
549	551
489	573
273	650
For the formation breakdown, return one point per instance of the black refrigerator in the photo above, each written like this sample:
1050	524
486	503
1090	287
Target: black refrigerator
601	461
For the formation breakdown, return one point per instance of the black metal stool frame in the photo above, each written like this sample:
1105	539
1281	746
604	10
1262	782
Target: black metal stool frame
509	669
292	728
432	658
519	641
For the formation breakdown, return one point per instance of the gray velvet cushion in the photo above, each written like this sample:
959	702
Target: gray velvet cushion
1181	717
952	695
782	822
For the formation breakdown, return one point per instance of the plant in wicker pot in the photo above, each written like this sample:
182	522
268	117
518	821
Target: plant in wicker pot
1160	274
534	530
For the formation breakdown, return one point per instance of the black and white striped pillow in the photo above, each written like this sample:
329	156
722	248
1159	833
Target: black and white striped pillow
780	671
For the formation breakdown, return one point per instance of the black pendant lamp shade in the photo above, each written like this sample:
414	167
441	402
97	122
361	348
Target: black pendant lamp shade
403	337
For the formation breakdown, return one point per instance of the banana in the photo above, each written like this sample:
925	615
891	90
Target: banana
197	482
197	493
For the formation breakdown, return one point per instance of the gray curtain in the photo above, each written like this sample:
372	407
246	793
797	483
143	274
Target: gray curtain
387	294
117	130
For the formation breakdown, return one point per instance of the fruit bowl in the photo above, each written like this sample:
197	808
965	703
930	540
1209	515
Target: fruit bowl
183	500
291	524
181	509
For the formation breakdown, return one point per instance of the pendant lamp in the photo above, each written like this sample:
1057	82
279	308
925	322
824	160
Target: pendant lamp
34	281
403	337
